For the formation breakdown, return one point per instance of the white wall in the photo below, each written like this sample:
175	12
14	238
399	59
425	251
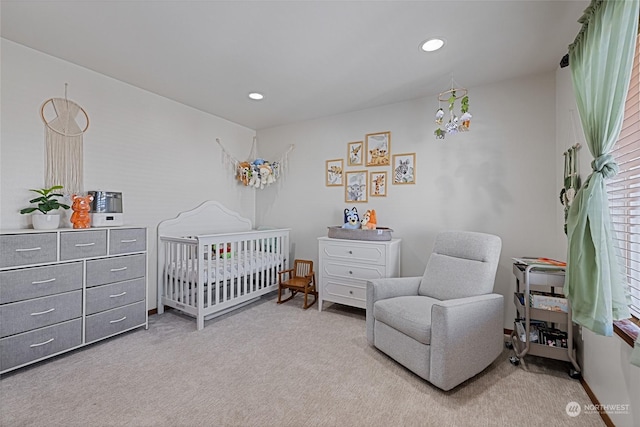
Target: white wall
160	154
498	178
604	360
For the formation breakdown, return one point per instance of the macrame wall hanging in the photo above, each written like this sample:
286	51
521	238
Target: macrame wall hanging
63	143
571	180
255	171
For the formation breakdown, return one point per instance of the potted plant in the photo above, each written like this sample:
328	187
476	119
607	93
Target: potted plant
48	217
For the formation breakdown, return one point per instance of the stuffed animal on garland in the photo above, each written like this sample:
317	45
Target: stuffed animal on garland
369	220
351	219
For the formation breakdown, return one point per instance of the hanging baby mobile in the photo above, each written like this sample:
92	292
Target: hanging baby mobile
455	124
63	143
255	172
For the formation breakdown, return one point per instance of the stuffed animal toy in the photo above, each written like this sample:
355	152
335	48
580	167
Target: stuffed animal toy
351	219
243	174
81	206
369	221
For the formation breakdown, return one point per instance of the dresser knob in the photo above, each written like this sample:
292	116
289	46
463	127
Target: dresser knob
350	272
351	292
350	253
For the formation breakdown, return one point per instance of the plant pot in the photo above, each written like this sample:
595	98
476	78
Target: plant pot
45	222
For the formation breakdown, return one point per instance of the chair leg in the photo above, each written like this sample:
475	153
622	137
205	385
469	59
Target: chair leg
293	294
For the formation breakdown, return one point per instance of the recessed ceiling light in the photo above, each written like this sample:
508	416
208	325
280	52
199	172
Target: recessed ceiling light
256	96
432	44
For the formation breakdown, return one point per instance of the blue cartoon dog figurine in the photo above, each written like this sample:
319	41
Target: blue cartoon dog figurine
351	219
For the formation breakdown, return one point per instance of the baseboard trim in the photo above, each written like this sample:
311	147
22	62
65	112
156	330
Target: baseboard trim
596	402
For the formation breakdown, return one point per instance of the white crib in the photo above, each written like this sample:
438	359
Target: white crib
211	261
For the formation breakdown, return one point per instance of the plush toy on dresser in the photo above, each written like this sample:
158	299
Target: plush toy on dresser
81	206
351	219
369	221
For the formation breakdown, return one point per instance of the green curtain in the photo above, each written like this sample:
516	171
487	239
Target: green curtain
601	59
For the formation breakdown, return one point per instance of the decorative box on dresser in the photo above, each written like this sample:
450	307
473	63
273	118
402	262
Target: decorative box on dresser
346	265
62	289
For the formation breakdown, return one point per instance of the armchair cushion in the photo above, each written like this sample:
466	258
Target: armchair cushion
410	315
462	264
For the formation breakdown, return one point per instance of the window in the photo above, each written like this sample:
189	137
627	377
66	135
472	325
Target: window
624	189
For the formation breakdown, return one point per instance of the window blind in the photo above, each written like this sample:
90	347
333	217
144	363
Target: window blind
624	189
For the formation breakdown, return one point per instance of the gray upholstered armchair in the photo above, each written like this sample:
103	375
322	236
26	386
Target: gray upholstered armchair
447	325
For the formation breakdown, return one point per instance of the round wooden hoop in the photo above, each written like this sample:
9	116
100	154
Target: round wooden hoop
66	100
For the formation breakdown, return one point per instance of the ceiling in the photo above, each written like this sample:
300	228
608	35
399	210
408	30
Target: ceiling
310	58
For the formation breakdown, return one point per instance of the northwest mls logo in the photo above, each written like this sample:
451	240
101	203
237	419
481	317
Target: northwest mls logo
573	409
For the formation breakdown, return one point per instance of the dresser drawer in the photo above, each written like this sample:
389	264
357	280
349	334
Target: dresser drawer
371	253
116	269
354	271
127	240
24	316
106	297
18	285
24	249
83	244
111	322
345	292
29	346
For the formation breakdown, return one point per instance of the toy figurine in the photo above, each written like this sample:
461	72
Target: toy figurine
81	206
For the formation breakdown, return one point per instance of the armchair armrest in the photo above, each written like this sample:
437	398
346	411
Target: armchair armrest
467	335
387	288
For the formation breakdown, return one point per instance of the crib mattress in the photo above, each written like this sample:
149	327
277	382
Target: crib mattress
227	268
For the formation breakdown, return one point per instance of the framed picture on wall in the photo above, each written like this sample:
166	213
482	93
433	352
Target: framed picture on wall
378	148
404	168
333	172
354	153
355	188
378	184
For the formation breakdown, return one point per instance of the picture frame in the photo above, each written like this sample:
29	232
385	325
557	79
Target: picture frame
355	186
355	153
378	148
404	168
334	173
378	184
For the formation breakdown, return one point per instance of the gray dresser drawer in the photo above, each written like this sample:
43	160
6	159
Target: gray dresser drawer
24	348
26	283
24	316
106	297
24	249
116	269
127	240
111	322
83	244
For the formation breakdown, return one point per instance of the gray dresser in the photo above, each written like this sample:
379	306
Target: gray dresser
65	288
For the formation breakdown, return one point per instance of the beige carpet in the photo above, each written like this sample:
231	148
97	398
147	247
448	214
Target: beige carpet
273	365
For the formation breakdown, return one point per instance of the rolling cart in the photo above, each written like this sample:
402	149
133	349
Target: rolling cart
540	277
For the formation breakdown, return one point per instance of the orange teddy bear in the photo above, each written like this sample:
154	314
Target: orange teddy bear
81	206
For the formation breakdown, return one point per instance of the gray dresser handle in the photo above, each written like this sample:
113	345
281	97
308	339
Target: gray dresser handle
129	241
43	312
79	245
118	269
38	282
118	295
28	249
42	343
119	320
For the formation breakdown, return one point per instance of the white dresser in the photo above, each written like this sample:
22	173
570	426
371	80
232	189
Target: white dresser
346	265
65	288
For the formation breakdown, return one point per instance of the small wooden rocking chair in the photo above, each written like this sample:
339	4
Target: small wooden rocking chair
301	279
